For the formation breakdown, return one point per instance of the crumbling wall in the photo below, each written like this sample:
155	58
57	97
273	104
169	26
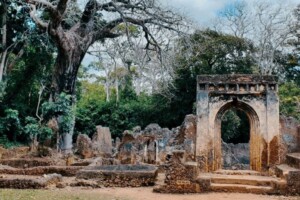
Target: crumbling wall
289	135
120	175
236	156
99	145
180	175
152	144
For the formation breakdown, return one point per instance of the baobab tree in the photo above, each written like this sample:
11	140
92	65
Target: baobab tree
98	21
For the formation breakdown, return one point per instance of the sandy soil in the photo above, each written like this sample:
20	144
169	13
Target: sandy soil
147	194
125	194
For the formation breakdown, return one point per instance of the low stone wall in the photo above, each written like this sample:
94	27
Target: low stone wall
14	152
34	171
30	182
120	175
26	162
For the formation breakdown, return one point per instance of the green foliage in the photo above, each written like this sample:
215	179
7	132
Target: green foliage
289	94
235	127
10	125
217	53
292	68
35	130
211	53
127	114
2	90
90	92
25	77
61	109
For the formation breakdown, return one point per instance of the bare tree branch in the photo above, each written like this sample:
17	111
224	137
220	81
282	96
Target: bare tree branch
44	3
37	20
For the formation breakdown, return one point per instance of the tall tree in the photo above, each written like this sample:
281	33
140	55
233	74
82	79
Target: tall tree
204	52
265	23
293	69
98	21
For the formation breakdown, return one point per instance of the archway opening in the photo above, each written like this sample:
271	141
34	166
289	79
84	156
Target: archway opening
235	135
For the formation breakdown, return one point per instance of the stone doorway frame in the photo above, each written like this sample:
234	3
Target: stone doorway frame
257	97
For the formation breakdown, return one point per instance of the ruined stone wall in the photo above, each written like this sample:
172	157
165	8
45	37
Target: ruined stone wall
152	144
99	145
180	175
289	135
236	156
120	175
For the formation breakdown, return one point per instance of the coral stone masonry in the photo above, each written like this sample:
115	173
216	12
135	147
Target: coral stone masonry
257	97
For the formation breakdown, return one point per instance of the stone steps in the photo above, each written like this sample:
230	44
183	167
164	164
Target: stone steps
253	180
283	170
236	172
216	187
242	182
293	160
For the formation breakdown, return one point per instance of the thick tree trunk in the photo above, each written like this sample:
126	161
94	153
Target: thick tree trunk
64	80
65	70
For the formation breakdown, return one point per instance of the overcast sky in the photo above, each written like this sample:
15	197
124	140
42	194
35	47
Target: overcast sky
203	11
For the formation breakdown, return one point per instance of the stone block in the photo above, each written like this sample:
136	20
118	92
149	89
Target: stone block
101	141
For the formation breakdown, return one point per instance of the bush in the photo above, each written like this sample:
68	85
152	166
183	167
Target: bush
36	131
289	94
10	125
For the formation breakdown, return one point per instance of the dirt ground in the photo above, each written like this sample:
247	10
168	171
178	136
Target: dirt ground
124	194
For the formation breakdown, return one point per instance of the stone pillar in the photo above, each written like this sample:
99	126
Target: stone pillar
101	141
203	137
272	127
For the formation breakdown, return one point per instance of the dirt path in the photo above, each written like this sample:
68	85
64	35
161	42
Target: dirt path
147	194
124	194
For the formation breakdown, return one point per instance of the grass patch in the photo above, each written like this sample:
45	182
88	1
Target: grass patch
12	194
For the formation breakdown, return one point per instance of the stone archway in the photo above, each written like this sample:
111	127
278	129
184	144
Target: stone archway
257	97
254	133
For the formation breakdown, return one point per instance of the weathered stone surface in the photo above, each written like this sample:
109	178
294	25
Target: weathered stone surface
290	136
34	171
242	182
99	161
180	175
120	175
257	97
186	136
293	160
152	144
84	146
236	156
293	183
30	182
26	162
290	174
142	147
101	142
16	152
85	183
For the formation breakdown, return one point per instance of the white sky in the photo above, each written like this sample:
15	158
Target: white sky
202	12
